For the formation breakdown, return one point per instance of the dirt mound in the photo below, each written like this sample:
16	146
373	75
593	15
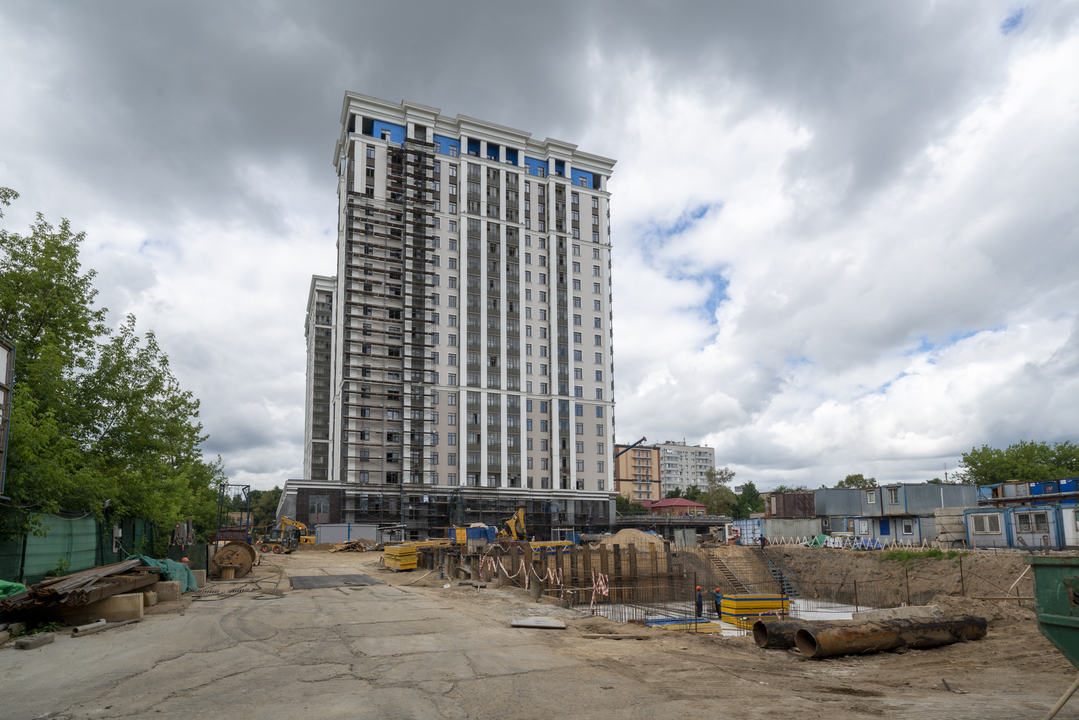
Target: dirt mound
630	536
998	613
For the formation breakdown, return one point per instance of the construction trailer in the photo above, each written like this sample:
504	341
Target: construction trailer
1025	527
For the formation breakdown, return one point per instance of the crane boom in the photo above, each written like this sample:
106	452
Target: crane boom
630	447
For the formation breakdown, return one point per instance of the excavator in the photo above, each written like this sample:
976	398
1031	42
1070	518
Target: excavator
513	529
286	538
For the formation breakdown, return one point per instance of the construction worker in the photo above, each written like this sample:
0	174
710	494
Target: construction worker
700	601
715	601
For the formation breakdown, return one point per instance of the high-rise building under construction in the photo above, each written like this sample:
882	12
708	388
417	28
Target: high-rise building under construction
471	370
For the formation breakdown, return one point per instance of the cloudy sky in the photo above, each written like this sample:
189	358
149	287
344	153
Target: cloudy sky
846	233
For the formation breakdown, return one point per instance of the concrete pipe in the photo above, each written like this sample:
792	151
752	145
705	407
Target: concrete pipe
871	637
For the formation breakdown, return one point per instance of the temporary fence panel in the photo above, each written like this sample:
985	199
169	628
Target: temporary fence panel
69	545
344	532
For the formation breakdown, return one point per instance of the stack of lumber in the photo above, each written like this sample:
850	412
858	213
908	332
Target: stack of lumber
400	557
83	587
743	610
360	545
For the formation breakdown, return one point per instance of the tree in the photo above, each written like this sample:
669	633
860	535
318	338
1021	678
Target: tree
749	501
98	420
264	507
718	497
672	494
791	489
938	481
857	481
624	507
693	494
1024	461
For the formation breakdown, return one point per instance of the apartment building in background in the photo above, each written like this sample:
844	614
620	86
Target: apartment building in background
318	329
472	366
637	473
681	465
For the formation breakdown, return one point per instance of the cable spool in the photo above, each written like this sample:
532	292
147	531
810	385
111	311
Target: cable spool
237	554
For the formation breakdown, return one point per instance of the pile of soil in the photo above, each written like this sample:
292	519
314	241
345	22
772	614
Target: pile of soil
879	574
630	536
998	613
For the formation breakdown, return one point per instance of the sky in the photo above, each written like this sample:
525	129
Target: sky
846	235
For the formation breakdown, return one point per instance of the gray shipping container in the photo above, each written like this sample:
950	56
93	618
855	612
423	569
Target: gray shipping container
343	532
775	528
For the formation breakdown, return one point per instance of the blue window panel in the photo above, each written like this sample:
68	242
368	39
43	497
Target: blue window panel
473	147
885	527
444	144
533	165
578	174
397	132
492	151
511	156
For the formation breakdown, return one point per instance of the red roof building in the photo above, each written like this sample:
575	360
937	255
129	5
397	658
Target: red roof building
677	506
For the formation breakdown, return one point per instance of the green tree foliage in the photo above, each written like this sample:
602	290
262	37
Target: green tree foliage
1025	461
672	494
624	507
718	496
750	501
693	494
264	508
791	489
98	419
857	481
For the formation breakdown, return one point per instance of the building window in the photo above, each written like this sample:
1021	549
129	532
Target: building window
990	524
908	527
893	496
871	497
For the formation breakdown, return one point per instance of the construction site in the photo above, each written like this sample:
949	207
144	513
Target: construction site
609	628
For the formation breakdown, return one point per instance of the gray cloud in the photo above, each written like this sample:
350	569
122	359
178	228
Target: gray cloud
193	142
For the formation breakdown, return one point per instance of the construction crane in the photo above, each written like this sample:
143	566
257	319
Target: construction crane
630	447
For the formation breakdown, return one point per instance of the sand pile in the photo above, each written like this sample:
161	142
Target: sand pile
630	536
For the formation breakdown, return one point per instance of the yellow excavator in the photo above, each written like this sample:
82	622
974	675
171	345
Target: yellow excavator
286	538
307	536
513	529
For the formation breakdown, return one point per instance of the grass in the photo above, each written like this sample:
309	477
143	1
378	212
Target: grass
907	557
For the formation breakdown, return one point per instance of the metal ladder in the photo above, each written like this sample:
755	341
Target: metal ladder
729	576
783	577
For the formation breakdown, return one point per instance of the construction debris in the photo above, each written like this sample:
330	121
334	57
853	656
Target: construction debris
360	545
34	641
106	626
83	587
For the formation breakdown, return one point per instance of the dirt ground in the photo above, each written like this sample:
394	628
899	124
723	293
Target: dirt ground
983	574
413	648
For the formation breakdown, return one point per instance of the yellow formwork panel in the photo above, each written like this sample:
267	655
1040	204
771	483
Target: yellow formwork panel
746	609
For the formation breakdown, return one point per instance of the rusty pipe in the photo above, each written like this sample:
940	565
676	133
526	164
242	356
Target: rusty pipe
871	637
780	634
